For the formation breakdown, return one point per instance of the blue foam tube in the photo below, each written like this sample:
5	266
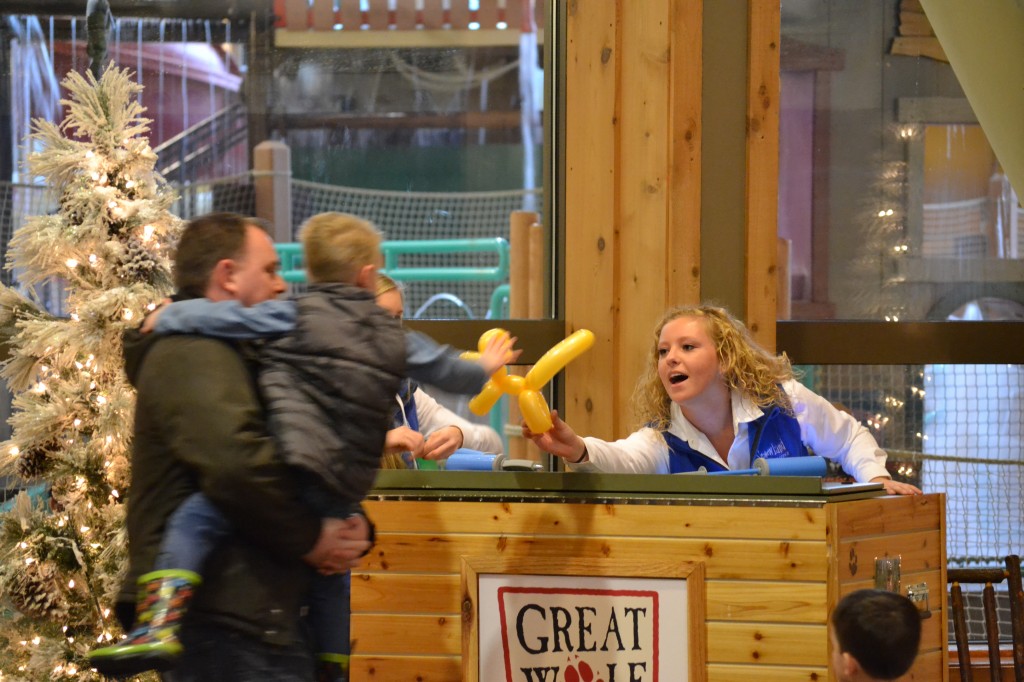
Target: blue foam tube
792	466
472	460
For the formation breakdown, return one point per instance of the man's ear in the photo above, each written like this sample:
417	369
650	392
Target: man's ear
367	277
223	276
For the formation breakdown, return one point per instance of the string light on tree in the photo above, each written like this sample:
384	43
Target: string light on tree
61	556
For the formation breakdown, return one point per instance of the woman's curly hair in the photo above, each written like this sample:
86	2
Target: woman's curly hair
745	366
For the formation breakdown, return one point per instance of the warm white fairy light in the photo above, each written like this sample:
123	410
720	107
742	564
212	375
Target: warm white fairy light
77	422
14	451
128	314
71	583
92	259
147	233
71	263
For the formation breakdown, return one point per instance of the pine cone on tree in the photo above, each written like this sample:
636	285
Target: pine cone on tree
34	592
137	262
34	462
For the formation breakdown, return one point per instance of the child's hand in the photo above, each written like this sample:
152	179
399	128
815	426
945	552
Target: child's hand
404	439
149	324
443	442
500	351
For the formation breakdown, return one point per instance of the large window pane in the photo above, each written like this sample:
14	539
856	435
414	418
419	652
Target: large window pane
896	205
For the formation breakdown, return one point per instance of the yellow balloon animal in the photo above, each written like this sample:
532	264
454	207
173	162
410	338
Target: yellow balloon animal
531	403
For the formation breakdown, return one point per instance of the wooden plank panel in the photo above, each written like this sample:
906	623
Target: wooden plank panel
351	15
915	24
683	243
487	14
514	15
934	579
377	17
405	15
880	516
592	381
296	15
433	14
406	592
458	14
762	181
919	46
641	278
767	643
928	666
632	520
917	552
377	634
405	668
323	15
764	601
724	559
762	673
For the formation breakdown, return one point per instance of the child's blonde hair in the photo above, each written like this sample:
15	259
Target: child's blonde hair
745	366
336	246
386	283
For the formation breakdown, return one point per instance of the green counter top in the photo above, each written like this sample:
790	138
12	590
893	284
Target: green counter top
535	486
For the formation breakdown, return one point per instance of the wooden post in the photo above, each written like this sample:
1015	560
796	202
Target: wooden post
537	290
784	300
272	162
519	304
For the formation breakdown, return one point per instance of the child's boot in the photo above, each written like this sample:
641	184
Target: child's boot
332	668
153	644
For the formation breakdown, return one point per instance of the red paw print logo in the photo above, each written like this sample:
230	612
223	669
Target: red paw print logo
581	672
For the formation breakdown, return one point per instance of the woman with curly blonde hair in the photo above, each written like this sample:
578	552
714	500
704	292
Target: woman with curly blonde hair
711	397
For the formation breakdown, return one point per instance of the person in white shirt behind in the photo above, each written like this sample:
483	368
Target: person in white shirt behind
711	397
423	427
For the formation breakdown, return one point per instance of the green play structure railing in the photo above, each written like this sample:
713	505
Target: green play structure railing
293	272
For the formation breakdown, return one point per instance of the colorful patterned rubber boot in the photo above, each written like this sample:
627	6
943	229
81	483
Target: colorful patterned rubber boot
153	644
332	668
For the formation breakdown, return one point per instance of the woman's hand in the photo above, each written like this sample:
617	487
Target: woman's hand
895	487
443	442
560	440
404	439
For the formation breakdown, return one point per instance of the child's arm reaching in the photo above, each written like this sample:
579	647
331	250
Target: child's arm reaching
430	363
225	319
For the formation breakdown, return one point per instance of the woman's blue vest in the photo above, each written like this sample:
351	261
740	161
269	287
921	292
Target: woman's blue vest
408	409
774	434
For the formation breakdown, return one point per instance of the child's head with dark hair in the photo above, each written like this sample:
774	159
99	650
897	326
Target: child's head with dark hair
875	635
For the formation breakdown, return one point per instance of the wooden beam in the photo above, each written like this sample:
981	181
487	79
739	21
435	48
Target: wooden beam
762	171
686	67
593	382
904	343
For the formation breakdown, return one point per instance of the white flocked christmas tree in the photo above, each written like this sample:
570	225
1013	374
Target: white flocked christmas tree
107	244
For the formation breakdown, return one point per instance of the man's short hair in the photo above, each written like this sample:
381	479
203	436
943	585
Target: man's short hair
206	241
336	246
882	630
